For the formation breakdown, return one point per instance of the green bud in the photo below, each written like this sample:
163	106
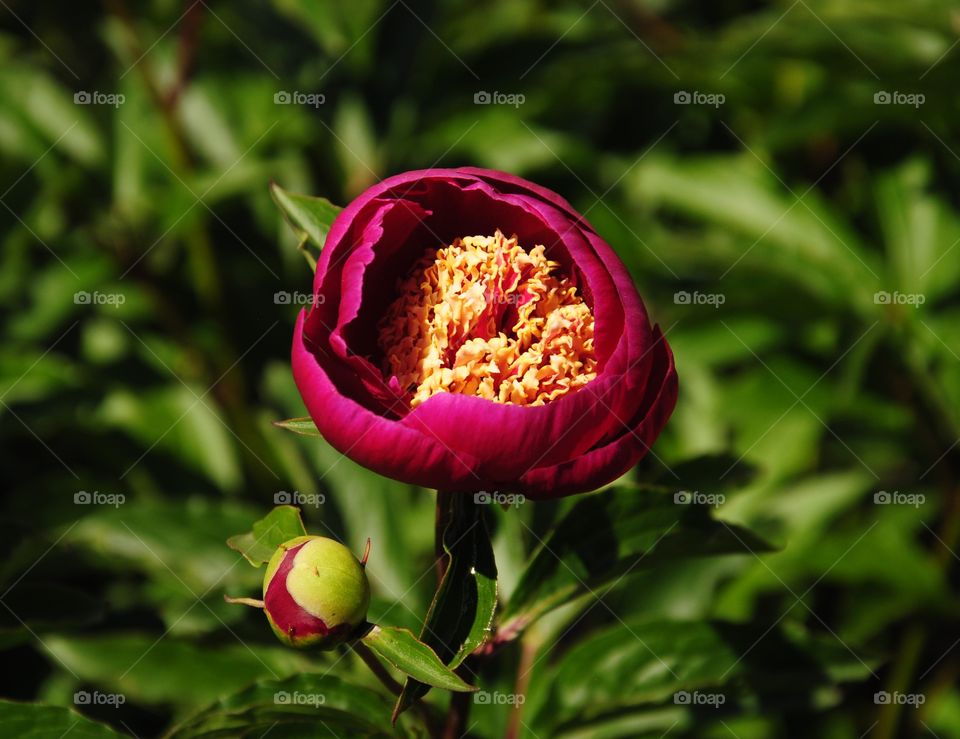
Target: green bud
315	592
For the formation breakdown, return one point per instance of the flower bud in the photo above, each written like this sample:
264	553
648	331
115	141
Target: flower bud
315	592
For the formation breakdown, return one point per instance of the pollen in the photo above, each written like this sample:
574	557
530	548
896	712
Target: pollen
483	316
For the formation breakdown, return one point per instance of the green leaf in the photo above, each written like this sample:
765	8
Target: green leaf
627	670
297	706
459	618
178	421
303	426
408	654
339	31
709	472
790	231
154	670
608	535
920	232
646	662
39	721
306	214
258	546
173	551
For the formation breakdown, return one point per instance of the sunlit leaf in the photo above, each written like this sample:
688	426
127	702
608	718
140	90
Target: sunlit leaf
297	704
306	213
405	652
49	722
259	545
607	536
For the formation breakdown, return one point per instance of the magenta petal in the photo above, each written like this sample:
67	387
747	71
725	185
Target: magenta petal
383	445
288	616
605	464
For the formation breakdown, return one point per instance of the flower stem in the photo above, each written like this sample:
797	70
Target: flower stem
371	661
528	652
455	723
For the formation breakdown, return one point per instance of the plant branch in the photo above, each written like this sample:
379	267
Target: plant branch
455	726
376	667
528	653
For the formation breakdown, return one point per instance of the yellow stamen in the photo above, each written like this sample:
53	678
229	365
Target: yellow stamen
485	317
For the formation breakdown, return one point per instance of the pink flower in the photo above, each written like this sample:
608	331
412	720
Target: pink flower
471	331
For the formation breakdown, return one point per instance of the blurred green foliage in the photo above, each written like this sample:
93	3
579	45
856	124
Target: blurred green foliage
783	238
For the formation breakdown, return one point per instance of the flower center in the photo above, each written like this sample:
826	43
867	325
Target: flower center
485	317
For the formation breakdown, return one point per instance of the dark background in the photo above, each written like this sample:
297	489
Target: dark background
811	225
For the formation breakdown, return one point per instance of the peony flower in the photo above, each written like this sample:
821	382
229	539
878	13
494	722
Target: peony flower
471	331
315	593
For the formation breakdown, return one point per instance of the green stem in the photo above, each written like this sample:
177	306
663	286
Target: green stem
371	661
528	652
444	514
459	709
455	726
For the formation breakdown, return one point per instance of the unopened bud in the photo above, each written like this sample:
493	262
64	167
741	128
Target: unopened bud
315	592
